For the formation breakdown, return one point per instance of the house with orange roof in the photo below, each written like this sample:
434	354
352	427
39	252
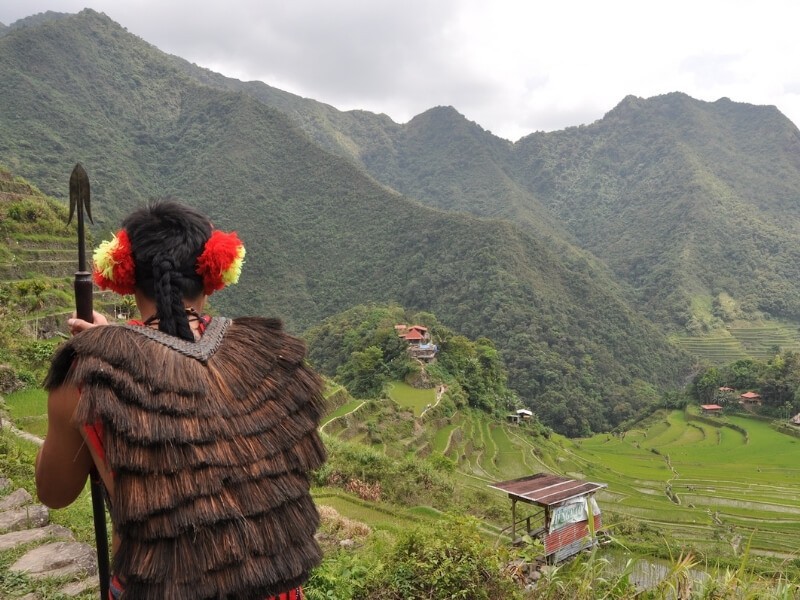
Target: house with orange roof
419	343
750	398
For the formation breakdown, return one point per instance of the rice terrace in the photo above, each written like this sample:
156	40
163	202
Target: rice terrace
732	485
727	487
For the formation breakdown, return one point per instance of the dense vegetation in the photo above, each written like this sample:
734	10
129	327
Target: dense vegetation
522	314
685	201
639	191
776	380
37	258
322	235
363	350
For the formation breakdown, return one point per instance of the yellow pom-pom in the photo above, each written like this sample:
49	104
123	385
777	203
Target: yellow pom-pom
103	260
232	273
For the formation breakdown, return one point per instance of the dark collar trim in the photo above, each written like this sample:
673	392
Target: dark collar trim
201	350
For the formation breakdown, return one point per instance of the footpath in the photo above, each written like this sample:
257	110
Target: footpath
47	550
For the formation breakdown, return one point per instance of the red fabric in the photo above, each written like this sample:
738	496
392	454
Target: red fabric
94	435
123	276
116	589
219	253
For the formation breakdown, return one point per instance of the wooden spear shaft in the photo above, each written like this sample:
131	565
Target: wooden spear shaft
79	200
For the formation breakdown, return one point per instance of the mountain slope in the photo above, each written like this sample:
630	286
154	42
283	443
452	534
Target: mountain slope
682	199
321	234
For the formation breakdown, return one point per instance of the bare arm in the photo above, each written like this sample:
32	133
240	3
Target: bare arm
64	461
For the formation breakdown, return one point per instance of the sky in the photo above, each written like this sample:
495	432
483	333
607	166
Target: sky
512	66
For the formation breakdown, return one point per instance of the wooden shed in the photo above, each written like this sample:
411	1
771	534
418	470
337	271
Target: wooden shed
563	521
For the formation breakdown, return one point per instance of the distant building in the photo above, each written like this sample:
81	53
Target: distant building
524	413
414	337
750	398
711	409
795	420
419	341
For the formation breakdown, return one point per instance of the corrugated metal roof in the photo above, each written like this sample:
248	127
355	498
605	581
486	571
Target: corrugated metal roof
546	489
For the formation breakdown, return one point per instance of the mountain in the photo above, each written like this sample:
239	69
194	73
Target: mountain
689	203
682	198
322	234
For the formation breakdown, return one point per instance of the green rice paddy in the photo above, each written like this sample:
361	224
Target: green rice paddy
410	397
703	484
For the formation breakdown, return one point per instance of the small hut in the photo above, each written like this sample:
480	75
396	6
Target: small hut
563	521
750	398
711	409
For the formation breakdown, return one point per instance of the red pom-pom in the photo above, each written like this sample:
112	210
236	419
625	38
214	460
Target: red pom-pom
219	253
116	254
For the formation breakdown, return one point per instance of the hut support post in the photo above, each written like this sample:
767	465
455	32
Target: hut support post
513	519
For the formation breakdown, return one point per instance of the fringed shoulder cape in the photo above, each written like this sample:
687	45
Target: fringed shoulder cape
211	444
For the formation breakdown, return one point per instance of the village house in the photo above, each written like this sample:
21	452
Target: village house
711	409
419	341
522	414
750	398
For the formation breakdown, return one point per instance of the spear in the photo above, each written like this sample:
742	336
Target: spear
78	200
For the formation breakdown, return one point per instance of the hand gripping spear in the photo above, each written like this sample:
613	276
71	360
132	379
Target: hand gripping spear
78	200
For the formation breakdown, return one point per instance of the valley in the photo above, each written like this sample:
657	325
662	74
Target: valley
726	487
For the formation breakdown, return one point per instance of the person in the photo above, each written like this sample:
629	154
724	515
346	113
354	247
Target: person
202	429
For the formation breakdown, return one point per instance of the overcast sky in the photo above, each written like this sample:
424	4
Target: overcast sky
512	66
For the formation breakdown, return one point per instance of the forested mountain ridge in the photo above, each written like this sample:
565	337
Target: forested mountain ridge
682	199
322	235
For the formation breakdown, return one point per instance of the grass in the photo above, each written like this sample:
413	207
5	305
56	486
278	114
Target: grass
393	519
727	489
27	403
410	397
16	463
727	486
344	409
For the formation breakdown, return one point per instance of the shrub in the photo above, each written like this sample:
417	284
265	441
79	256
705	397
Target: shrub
448	560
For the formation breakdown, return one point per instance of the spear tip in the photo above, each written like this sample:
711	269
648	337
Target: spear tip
79	192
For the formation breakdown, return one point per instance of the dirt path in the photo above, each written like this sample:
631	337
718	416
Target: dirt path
439	393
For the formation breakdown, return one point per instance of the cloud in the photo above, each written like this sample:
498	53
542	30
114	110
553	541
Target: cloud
513	66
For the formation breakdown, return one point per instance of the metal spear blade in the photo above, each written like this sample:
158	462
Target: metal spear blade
79	193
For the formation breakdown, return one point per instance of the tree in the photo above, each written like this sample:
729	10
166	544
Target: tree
365	373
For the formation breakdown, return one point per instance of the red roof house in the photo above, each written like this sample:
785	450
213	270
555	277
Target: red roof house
414	336
750	397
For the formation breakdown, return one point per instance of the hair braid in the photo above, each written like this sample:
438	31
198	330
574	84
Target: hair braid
166	239
171	312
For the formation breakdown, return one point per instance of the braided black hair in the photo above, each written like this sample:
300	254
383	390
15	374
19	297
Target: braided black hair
166	239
